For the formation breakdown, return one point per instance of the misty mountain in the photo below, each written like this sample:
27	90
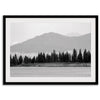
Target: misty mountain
52	41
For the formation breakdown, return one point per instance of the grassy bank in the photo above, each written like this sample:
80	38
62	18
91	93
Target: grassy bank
54	65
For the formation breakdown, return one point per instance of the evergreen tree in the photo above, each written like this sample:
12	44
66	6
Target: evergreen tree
29	59
63	57
33	60
54	57
85	56
15	60
67	57
48	58
40	57
79	58
88	57
43	57
60	57
11	61
26	60
74	56
20	60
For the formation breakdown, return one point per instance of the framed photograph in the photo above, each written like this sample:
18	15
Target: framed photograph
50	49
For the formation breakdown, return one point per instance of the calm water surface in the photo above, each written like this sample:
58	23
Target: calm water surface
50	71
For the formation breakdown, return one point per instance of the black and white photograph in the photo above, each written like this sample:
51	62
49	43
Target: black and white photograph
50	49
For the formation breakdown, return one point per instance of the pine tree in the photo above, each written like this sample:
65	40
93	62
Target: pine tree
85	56
67	57
48	58
26	60
88	57
11	61
33	60
79	58
15	60
29	59
63	57
43	57
74	56
60	57
40	57
20	60
53	56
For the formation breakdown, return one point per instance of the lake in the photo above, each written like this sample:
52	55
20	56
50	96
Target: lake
50	71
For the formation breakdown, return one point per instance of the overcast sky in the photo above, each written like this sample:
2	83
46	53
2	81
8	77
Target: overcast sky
24	31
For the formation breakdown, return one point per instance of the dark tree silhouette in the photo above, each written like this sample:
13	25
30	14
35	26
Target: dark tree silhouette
20	60
29	60
11	61
88	56
74	56
43	57
40	58
33	60
53	57
60	57
15	60
63	57
85	56
26	60
48	58
67	57
80	58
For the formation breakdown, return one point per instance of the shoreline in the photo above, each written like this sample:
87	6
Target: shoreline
54	65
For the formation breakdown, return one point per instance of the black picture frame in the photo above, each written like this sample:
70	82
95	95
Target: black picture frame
50	83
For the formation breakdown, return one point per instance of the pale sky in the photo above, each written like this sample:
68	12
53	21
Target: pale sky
23	31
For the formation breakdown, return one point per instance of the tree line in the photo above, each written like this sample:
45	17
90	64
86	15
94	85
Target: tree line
67	57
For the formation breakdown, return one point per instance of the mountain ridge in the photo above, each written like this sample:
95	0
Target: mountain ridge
48	41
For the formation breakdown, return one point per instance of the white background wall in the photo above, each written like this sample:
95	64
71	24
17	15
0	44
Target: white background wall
47	7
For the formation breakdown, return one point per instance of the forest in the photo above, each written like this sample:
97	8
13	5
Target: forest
66	57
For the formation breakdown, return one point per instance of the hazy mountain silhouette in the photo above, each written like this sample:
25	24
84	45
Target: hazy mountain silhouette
49	41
